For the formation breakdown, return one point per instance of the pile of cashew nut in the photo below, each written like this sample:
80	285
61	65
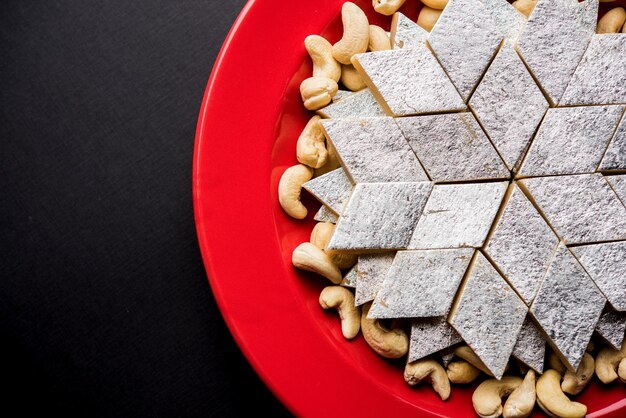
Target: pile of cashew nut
331	66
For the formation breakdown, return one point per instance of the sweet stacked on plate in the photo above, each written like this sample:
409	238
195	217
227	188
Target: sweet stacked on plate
479	184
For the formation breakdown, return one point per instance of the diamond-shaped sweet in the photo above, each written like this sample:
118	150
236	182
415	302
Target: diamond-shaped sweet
530	347
405	33
465	39
380	216
567	307
373	150
361	104
421	283
351	277
509	21
371	272
618	184
571	140
521	245
458	215
488	315
452	147
408	81
600	76
581	208
615	155
606	264
429	335
611	326
509	105
554	40
332	189
324	214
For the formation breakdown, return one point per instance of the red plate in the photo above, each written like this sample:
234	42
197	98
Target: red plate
250	120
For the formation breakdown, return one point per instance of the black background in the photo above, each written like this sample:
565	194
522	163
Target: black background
104	305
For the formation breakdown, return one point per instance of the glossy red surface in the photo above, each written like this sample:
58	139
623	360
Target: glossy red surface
250	119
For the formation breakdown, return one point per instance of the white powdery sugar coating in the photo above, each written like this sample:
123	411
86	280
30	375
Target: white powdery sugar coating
408	81
509	105
509	21
606	264
615	155
342	94
522	245
489	315
421	283
581	208
465	39
429	335
380	216
373	150
571	140
554	40
530	347
458	215
601	75
371	272
618	183
332	189
351	277
611	326
326	215
405	33
361	104
453	147
567	307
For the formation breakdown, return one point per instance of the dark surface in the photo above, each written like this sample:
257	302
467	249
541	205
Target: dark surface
104	305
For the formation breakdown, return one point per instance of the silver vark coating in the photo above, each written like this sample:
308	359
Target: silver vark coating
530	347
371	272
333	189
430	335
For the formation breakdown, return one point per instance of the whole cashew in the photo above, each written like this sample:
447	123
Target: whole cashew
525	6
461	372
612	21
311	147
431	370
321	53
522	400
308	257
341	298
351	78
436	4
356	33
553	401
317	92
320	236
387	7
290	187
621	370
468	355
607	361
392	343
428	17
487	398
555	363
331	163
574	383
379	41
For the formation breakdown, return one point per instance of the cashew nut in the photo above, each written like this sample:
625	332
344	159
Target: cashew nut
290	187
522	400
612	21
553	401
379	41
574	383
387	7
435	4
461	372
555	363
428	369
320	236
311	146
525	6
317	92
621	370
331	163
321	53
487	398
356	32
341	298
388	343
590	347
351	78
607	361
468	355
308	257
428	17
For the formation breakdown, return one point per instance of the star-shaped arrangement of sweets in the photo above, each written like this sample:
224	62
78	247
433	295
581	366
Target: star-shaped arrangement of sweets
481	183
